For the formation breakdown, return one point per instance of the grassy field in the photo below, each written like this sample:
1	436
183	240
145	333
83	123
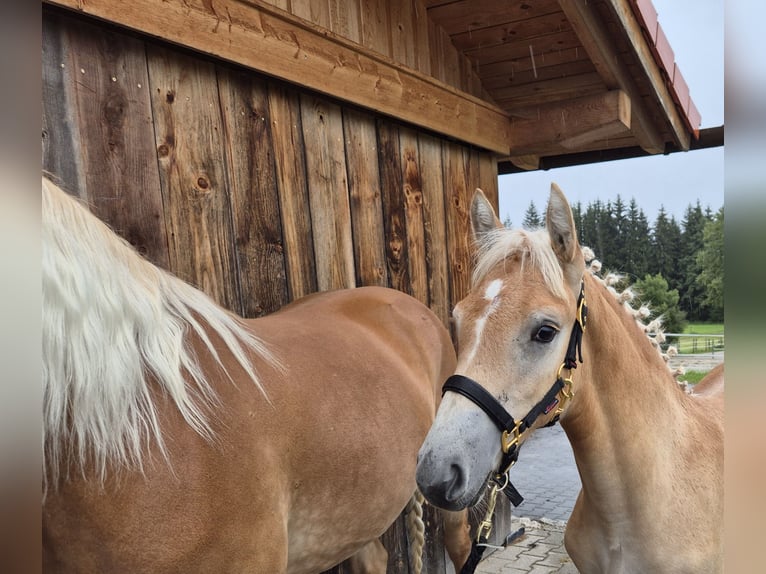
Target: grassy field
704	328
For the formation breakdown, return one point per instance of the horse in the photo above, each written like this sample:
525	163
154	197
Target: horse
180	437
541	337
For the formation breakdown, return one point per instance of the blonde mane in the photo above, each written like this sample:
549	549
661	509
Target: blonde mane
110	320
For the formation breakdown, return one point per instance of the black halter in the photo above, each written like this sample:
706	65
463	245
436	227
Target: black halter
513	430
503	420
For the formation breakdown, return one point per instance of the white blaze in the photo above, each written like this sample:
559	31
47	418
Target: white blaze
491	295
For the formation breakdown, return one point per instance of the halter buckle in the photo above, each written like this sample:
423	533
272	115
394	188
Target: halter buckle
507	441
582	308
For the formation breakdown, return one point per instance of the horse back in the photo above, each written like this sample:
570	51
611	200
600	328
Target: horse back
711	384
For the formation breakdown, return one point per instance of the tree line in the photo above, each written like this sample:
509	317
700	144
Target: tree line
676	267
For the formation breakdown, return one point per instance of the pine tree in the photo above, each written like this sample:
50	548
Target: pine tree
609	237
691	292
666	249
532	218
710	264
637	241
590	232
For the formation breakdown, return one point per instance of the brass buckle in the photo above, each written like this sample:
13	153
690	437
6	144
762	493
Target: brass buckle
580	308
507	441
567	392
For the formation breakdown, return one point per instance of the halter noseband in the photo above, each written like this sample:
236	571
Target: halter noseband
503	420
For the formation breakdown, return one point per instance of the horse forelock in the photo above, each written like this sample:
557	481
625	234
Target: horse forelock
532	247
111	321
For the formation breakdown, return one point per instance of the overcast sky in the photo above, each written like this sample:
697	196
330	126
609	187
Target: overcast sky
695	30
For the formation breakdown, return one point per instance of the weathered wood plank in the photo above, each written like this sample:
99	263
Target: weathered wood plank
394	217
262	37
187	120
328	193
62	153
292	185
434	554
458	192
414	215
365	197
375	24
315	11
432	179
420	32
395	541
402	32
252	186
484	13
345	19
488	178
119	160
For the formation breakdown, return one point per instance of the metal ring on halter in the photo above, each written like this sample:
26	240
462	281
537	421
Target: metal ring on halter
506	483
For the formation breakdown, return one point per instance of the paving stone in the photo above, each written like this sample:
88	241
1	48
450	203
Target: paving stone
524	561
555	558
540	549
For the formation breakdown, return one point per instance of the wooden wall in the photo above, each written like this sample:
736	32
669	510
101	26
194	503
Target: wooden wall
256	191
399	29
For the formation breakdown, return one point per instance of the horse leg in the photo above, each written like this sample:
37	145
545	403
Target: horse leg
457	536
372	558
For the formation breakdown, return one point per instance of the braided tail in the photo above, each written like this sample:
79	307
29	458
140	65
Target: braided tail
416	531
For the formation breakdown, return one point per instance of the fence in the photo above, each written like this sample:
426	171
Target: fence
692	343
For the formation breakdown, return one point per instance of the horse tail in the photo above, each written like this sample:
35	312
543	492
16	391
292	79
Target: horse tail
416	531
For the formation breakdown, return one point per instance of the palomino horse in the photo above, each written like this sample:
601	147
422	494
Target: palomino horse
180	438
649	454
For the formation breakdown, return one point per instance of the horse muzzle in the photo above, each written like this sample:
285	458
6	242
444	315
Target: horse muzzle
456	461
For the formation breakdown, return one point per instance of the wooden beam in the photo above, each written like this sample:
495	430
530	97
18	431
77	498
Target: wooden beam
529	162
626	16
562	127
597	42
259	36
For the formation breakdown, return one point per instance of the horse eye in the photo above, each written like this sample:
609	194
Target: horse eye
545	334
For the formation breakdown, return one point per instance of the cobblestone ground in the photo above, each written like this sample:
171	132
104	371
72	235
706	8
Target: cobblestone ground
539	551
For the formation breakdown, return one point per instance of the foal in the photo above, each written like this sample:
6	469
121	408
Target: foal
650	456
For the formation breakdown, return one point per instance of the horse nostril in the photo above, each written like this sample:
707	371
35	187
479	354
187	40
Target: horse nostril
456	483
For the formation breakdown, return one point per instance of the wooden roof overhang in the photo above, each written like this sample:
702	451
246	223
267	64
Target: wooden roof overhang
559	77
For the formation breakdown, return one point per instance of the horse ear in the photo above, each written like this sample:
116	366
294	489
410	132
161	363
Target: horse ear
483	218
560	225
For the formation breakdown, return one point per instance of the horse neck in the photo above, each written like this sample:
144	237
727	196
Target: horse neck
626	404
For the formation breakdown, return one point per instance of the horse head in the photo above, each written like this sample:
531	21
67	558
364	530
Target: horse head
514	330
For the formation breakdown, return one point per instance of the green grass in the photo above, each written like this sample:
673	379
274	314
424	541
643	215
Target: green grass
704	328
693	377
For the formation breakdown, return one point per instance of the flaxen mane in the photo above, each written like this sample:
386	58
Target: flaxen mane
110	319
